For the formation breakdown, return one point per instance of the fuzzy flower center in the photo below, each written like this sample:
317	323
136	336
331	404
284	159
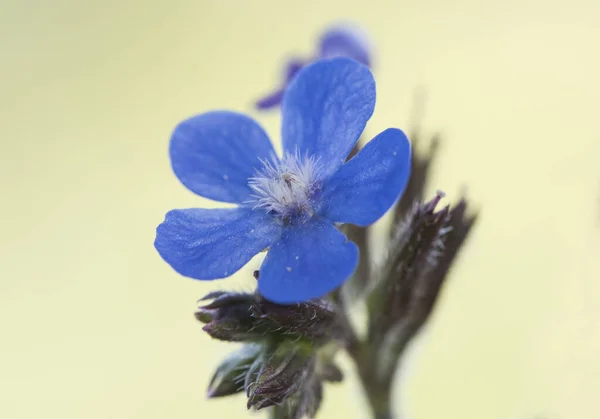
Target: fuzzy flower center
287	189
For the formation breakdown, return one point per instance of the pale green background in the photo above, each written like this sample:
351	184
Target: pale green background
95	325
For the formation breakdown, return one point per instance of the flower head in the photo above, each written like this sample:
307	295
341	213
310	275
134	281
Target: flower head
288	205
340	40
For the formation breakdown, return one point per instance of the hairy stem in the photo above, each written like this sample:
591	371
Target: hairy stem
377	389
277	412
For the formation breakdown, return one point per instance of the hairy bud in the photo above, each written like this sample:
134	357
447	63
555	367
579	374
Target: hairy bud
282	373
421	253
249	317
304	403
315	320
228	317
230	374
413	252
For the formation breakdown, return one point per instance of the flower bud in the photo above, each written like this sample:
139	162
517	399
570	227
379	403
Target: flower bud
229	376
421	254
305	402
249	317
413	252
282	374
314	320
224	304
228	317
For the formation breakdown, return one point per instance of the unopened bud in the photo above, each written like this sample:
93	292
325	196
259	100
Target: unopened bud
249	317
230	374
228	317
280	376
414	251
315	320
306	401
421	253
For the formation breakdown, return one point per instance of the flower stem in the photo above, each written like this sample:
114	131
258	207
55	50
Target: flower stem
277	412
377	389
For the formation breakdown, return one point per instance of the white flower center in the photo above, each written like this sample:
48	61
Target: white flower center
287	188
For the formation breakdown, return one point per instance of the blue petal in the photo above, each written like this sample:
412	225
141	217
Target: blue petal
215	153
345	41
326	108
369	184
213	243
309	261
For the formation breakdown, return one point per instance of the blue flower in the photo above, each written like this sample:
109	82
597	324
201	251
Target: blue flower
338	41
288	205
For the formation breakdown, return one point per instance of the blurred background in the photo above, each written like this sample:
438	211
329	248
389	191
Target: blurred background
95	325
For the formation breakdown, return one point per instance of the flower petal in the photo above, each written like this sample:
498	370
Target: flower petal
369	184
345	41
215	153
213	243
309	261
326	108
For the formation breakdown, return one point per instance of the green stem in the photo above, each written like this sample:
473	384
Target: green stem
377	388
276	412
378	391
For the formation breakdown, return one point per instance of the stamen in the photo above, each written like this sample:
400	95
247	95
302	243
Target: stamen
286	189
